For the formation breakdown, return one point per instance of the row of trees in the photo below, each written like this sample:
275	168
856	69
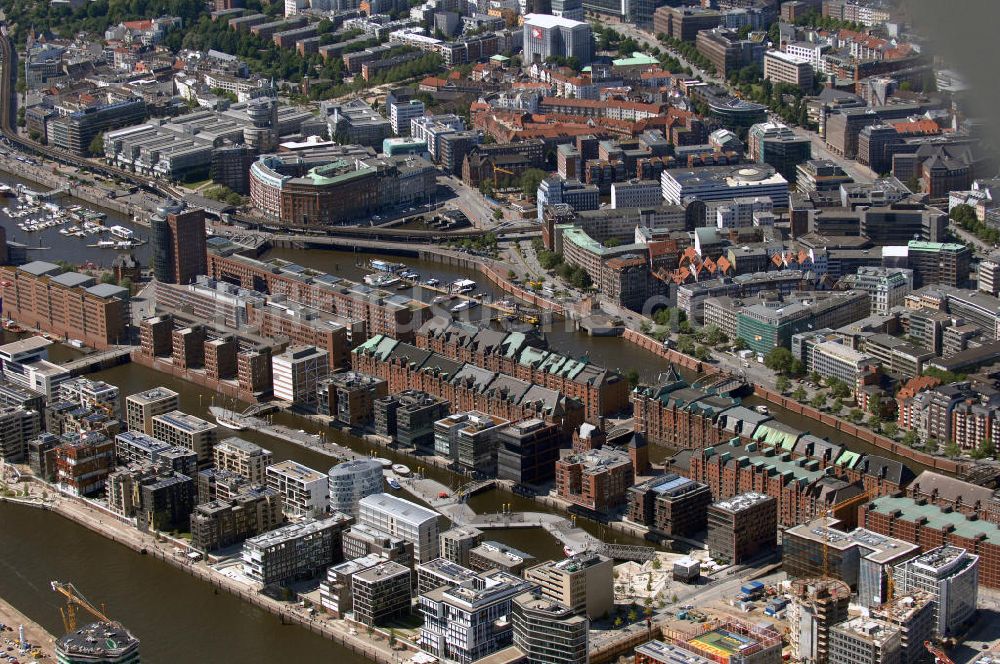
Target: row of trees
688	50
965	218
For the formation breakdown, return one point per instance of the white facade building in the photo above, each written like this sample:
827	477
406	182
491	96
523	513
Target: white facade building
297	373
636	193
351	481
405	520
303	490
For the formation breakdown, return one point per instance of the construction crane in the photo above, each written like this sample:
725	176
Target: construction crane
831	514
940	657
498	169
74	602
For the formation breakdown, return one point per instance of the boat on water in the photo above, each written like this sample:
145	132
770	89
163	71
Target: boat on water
386	266
7	190
442	298
104	244
122	232
229	419
409	274
464	306
394	484
385	463
432	282
401	469
462	286
762	410
383	280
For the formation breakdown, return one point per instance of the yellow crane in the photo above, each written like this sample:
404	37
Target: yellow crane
498	169
74	602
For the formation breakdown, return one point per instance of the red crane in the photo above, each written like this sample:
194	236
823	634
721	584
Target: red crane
940	657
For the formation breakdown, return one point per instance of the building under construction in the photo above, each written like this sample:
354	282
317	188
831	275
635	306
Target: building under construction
817	605
103	642
731	641
98	643
913	615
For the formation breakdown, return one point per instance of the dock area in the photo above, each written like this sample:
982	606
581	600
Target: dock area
36	635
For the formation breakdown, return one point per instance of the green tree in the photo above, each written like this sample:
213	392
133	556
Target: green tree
986	449
612	242
633	377
632	615
910	437
530	180
951	450
815	378
498	214
96	146
855	415
392	638
890	429
799	394
782	383
779	360
818	401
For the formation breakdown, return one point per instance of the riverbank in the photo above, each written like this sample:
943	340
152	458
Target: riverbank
109	525
36	635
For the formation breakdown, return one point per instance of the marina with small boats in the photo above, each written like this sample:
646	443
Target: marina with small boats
32	212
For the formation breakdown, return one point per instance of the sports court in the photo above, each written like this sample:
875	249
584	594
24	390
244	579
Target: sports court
722	643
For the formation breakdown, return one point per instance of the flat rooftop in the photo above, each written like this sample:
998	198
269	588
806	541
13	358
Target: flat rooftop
184	422
294	469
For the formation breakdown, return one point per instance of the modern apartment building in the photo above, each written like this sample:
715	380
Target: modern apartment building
135	447
456	542
951	576
547	631
583	583
298	373
183	430
401	518
303	490
18	426
296	551
742	527
350	481
546	36
221	523
471	620
381	593
247	459
178	240
142	407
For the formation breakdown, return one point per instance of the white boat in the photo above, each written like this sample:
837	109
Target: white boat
228	418
400	469
124	244
464	306
122	232
432	282
393	484
386	266
383	280
762	410
462	286
105	244
385	463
